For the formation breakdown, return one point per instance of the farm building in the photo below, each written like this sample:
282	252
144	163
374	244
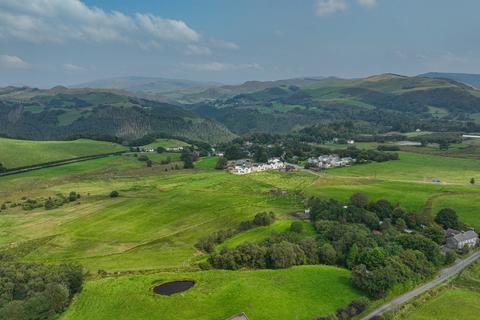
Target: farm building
241	167
458	240
241	316
330	161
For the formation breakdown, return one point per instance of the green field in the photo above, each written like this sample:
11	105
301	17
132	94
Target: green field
297	293
457	300
162	212
19	153
261	233
420	168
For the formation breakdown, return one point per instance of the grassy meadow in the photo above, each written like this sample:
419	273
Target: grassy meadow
148	233
418	168
456	300
298	293
19	153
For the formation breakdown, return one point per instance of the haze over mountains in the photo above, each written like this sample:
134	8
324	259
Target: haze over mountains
467	78
138	84
217	113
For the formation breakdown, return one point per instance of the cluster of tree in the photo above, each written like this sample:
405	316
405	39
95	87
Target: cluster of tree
362	155
381	243
388	148
189	157
355	308
208	244
443	139
145	158
221	164
2	168
263	147
34	291
49	203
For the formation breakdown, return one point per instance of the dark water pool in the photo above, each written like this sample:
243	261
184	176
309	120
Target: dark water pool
169	288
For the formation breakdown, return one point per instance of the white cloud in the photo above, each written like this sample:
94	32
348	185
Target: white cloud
13	62
328	7
225	44
219	67
367	3
70	67
198	50
43	21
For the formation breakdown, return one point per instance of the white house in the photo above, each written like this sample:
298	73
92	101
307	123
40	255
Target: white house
241	167
458	240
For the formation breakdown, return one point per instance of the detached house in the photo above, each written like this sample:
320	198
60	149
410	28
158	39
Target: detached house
458	240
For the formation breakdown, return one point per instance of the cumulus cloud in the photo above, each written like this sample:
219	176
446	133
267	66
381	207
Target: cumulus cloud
328	7
219	67
57	21
367	3
13	62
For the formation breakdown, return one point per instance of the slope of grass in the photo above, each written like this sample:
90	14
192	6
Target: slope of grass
296	293
261	233
19	153
416	167
458	300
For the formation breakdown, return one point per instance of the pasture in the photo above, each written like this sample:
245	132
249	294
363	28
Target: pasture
148	233
416	168
297	293
19	153
459	300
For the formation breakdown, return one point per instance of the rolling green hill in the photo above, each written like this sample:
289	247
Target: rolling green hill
385	102
61	113
150	85
20	153
262	295
467	78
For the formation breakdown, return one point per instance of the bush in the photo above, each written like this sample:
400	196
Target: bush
114	194
448	218
359	200
296	227
264	219
221	164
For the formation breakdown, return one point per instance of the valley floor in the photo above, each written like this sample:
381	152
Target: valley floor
147	234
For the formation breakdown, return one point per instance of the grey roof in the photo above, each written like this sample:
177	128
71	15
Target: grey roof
241	316
464	236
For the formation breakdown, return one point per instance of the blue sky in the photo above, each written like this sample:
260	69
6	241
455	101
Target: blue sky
49	42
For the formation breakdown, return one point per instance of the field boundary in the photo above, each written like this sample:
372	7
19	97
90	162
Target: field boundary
57	163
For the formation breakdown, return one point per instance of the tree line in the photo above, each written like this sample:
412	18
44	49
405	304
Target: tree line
31	291
383	244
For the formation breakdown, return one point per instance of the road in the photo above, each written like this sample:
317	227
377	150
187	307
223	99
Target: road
444	275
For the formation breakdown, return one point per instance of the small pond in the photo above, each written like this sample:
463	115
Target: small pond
169	288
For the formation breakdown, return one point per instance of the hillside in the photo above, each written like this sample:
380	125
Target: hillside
228	91
61	113
467	78
19	153
151	85
382	103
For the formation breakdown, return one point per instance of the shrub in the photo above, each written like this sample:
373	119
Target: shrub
296	227
114	194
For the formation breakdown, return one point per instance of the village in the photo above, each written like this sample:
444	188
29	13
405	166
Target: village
241	167
329	161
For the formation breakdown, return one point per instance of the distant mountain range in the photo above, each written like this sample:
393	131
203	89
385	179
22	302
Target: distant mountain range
61	113
380	103
467	78
150	85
